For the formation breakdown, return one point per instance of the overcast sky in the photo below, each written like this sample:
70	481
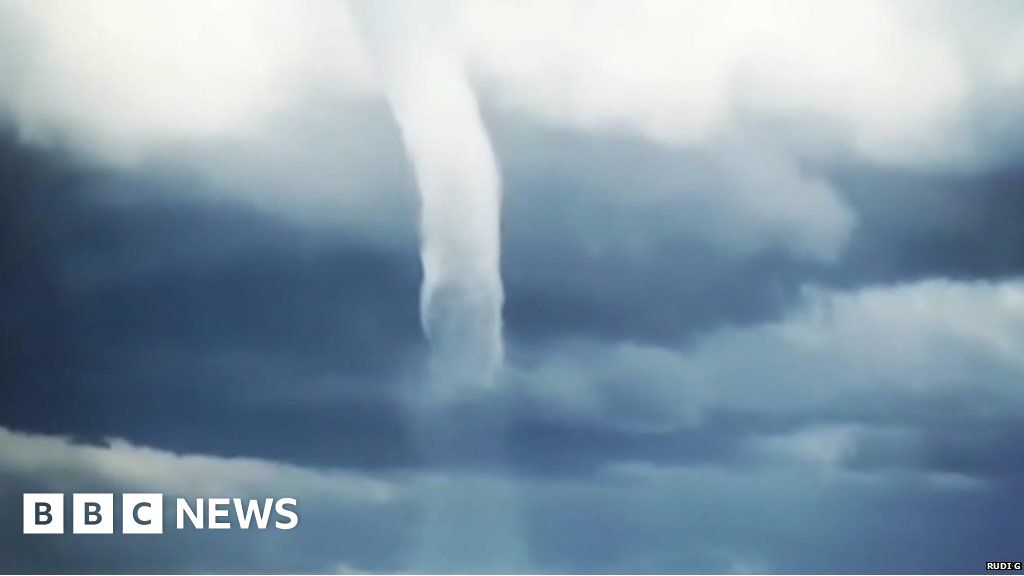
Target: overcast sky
763	269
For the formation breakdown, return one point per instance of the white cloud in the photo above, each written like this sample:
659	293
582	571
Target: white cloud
59	461
238	91
123	77
686	72
823	446
898	79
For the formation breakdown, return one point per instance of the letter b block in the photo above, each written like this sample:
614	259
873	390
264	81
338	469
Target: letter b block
42	514
93	514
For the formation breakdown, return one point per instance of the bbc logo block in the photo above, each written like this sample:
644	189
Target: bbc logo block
142	514
93	513
43	514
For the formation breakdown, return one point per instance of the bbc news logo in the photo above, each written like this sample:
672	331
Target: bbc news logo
144	513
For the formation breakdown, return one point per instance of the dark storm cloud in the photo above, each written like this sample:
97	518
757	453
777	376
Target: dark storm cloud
582	260
129	314
917	224
987	448
196	325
